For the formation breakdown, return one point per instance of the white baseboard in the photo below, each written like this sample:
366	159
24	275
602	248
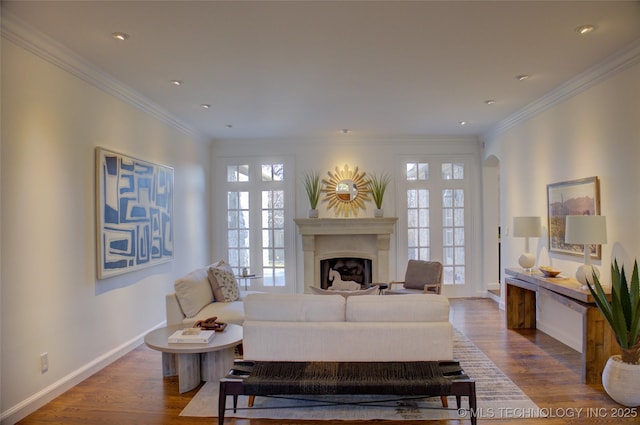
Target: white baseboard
44	396
493	296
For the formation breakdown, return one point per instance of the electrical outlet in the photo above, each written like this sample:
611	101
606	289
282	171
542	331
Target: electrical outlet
44	362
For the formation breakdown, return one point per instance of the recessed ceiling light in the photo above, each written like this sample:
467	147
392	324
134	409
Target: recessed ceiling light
345	131
585	29
522	77
122	36
462	122
176	82
489	101
205	106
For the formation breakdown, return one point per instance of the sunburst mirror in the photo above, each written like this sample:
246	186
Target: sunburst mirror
346	190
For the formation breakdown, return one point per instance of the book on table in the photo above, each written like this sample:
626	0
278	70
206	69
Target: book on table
191	336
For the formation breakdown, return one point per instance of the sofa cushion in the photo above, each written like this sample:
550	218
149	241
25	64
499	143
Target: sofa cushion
193	292
294	307
224	280
232	312
399	308
319	291
347	341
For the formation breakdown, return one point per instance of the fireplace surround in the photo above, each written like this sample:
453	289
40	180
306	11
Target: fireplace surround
327	238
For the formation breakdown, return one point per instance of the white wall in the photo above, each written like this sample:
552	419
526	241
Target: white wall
51	300
594	133
491	222
372	155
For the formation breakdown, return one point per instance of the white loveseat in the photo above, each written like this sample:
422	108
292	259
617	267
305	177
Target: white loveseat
198	295
304	327
228	312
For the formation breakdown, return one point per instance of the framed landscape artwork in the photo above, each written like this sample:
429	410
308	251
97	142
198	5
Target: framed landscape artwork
134	213
575	197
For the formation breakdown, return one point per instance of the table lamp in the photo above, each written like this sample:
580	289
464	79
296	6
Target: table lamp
526	227
586	230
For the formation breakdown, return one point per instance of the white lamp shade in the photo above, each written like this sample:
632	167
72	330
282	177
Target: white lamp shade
585	229
526	227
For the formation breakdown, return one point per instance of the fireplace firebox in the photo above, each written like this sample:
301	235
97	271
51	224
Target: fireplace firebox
349	269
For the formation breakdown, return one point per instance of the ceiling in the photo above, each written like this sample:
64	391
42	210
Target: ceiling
307	69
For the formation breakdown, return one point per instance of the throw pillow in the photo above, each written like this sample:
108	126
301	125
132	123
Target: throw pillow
319	291
226	280
218	295
215	286
193	292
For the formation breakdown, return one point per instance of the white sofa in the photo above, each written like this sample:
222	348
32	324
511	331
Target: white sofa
228	312
194	298
305	327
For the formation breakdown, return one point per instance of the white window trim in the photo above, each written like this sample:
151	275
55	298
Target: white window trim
255	187
471	186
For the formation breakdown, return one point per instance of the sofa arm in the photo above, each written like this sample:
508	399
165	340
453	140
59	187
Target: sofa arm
175	316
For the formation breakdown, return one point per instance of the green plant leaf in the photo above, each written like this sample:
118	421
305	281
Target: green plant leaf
625	298
634	330
378	186
313	187
601	299
623	311
619	322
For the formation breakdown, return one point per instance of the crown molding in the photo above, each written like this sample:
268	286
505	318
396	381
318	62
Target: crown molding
612	65
32	40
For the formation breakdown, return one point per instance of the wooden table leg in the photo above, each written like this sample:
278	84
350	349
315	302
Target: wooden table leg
169	364
520	308
216	364
222	403
188	372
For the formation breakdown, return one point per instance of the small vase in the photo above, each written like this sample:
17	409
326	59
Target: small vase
378	212
313	213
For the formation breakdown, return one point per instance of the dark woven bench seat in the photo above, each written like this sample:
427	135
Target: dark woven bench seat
318	378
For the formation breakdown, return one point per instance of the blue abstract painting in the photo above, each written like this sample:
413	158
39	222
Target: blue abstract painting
135	213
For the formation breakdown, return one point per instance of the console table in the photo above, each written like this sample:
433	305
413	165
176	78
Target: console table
598	341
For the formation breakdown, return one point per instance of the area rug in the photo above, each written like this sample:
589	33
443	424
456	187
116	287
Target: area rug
497	398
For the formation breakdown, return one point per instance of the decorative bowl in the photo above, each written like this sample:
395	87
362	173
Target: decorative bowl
549	271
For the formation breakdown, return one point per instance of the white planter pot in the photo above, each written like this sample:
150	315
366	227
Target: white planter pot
313	213
622	381
378	212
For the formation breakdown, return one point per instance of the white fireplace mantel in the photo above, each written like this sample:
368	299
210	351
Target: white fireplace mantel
368	236
346	226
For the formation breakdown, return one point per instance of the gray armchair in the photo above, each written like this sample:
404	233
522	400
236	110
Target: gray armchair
420	277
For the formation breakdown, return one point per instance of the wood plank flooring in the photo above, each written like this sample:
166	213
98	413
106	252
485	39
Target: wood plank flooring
133	391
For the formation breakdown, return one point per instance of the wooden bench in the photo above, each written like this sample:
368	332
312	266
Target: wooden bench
431	378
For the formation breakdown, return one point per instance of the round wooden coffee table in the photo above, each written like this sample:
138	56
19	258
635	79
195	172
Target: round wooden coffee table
194	363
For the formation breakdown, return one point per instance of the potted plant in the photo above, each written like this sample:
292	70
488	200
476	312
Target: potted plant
377	186
313	187
621	374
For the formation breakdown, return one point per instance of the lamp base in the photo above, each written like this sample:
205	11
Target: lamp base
527	261
585	272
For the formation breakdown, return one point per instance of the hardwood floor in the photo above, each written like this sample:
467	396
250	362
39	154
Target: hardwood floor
132	390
